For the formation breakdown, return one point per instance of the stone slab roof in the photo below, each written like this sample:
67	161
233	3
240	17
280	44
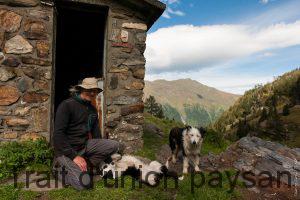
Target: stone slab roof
153	9
150	9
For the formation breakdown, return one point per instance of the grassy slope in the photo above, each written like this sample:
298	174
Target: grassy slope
293	122
272	97
152	145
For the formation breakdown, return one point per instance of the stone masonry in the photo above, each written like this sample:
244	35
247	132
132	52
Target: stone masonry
25	72
26	40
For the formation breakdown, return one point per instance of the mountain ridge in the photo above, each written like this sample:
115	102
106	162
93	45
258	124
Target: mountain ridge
271	110
187	95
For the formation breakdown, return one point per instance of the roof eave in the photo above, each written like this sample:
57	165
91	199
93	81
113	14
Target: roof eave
150	9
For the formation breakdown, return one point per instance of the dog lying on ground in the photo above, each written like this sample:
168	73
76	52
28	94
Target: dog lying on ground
189	141
130	165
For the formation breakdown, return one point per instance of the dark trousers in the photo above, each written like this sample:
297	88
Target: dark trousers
96	151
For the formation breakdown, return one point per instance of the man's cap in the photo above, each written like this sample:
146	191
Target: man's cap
90	83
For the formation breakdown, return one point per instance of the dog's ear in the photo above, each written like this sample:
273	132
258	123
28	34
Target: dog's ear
115	157
202	131
188	127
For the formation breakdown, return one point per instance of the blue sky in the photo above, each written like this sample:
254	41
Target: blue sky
231	45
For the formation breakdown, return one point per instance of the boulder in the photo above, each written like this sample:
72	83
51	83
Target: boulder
47	75
42	48
113	84
9	20
124	76
118	69
8	95
53	185
9	135
126	110
31	72
152	129
23	84
34	97
23	3
141	37
257	155
30	136
35	30
4	111
40	119
139	73
128	132
111	124
135	118
125	100
39	14
41	85
35	61
5	74
18	45
2	38
139	26
136	85
111	110
134	62
22	111
2	56
11	62
17	122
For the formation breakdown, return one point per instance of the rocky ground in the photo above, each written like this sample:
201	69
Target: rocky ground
263	158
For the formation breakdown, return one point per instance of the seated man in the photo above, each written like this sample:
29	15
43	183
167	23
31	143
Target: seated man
77	138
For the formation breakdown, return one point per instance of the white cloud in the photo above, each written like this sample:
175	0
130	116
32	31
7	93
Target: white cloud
171	11
188	47
266	55
286	12
175	12
166	15
264	1
170	1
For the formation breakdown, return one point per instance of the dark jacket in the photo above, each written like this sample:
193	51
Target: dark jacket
75	119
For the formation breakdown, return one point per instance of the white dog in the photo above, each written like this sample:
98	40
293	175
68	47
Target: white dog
130	165
189	141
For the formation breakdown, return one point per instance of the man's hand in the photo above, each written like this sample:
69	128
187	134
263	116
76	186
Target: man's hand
78	160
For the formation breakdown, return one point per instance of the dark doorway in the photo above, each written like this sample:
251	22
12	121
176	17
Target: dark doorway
79	45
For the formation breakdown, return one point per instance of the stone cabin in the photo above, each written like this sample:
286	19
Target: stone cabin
47	46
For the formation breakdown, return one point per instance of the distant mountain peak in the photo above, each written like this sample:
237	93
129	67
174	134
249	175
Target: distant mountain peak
187	92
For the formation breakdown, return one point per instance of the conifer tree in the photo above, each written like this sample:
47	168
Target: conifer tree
154	108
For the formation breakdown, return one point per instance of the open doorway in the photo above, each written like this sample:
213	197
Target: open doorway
79	46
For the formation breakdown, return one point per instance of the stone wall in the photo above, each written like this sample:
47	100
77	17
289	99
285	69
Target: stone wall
25	70
125	71
26	66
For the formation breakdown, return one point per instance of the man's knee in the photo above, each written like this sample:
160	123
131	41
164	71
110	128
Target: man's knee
114	146
82	182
